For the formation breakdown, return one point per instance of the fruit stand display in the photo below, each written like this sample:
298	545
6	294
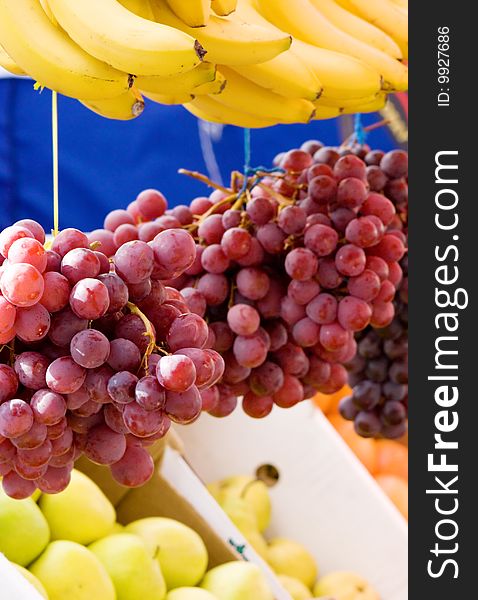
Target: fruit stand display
192	337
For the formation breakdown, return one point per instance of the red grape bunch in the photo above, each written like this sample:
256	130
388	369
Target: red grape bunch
97	355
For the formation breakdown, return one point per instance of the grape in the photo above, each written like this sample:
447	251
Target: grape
103	240
322	309
104	446
236	243
64	326
214	259
56	292
55	480
79	263
253	283
382	314
376	178
351	193
7	315
48	407
16	418
62	444
134	261
267	379
16	487
260	210
140	422
322	189
31	368
379	206
149	394
290	393
254	257
90	348
326	155
224	336
65	376
367	424
139	291
134	469
7	451
296	160
271	237
114	419
77	399
243	319
174	252
30	251
156	297
257	407
226	404
32	324
28	472
209	398
353	313
301	264
318	372
33	438
96	383
250	351
151	204
233	371
195	301
55	431
67	240
214	288
176	373
350	260
22	284
124	355
205	364
379	266
395	163
125	233
292	359
8	336
187	331
35	228
116	218
10	235
350	166
306	332
89	299
362	232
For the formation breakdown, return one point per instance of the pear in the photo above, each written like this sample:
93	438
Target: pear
81	513
296	589
237	581
179	550
252	490
343	585
24	532
70	571
190	593
36	583
134	573
287	557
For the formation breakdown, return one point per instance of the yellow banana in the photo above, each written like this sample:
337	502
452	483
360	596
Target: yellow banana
194	13
110	32
224	7
208	109
340	75
48	12
308	24
286	75
125	107
178	84
229	40
384	15
401	3
141	8
48	55
367	107
245	96
169	99
357	27
8	64
212	87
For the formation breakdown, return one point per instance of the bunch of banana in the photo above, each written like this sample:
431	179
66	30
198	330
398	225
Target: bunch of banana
251	63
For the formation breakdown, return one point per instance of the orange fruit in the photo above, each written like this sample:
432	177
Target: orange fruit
329	403
364	448
397	490
392	459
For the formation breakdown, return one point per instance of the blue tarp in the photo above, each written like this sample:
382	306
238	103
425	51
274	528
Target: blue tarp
104	164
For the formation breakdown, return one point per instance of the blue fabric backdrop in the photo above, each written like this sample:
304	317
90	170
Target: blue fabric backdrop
104	164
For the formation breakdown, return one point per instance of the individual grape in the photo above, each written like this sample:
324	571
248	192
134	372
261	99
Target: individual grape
224	336
134	469
376	178
303	292
140	422
390	248
79	263
89	299
296	160
348	409
62	444
351	193
336	381
174	252
88	409
114	419
322	189
77	399
395	163
397	190
306	332
125	233
56	292
252	283
90	348
311	146
367	424
290	393
149	394
30	251
10	235
28	472
333	337
271	237
64	326
48	407
267	379
227	402
132	328
382	314
379	266
328	275
379	206
350	166
386	292
33	438
134	261
31	368
55	431
350	260
35	228
353	313
322	309
104	446
326	155
365	286
209	398
205	364
321	239
139	291
200	205
32	324
366	395
104	262
236	243
243	319
214	260
103	240
17	487
183	214
67	240
7	451
176	372
16	418
124	355
214	287
341	217
260	210
151	203
8	313
301	264
250	351
155	298
187	331
277	334
254	257
65	376
234	372
22	284
116	218
8	336
292	220
318	372
195	300
257	407
292	359
55	480
362	232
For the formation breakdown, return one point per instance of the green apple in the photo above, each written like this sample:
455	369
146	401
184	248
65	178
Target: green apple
134	573
24	531
36	583
180	552
296	589
81	513
252	490
237	581
117	528
287	557
70	571
344	585
190	593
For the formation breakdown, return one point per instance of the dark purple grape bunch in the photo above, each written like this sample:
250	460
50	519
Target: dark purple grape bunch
97	355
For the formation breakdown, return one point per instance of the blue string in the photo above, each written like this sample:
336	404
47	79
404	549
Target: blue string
360	134
247	150
250	171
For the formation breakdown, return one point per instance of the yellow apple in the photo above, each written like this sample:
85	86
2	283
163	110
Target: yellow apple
190	593
135	574
36	583
343	585
69	571
237	581
287	557
24	531
179	550
81	513
117	528
296	589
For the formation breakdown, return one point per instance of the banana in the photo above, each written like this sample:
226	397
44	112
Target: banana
286	75
229	40
141	8
48	12
195	13
213	87
169	99
346	102
207	109
357	27
403	4
244	95
8	64
367	107
48	55
341	76
224	7
125	107
178	84
110	32
308	24
384	15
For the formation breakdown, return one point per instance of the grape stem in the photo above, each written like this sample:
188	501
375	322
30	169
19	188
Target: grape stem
204	179
149	332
